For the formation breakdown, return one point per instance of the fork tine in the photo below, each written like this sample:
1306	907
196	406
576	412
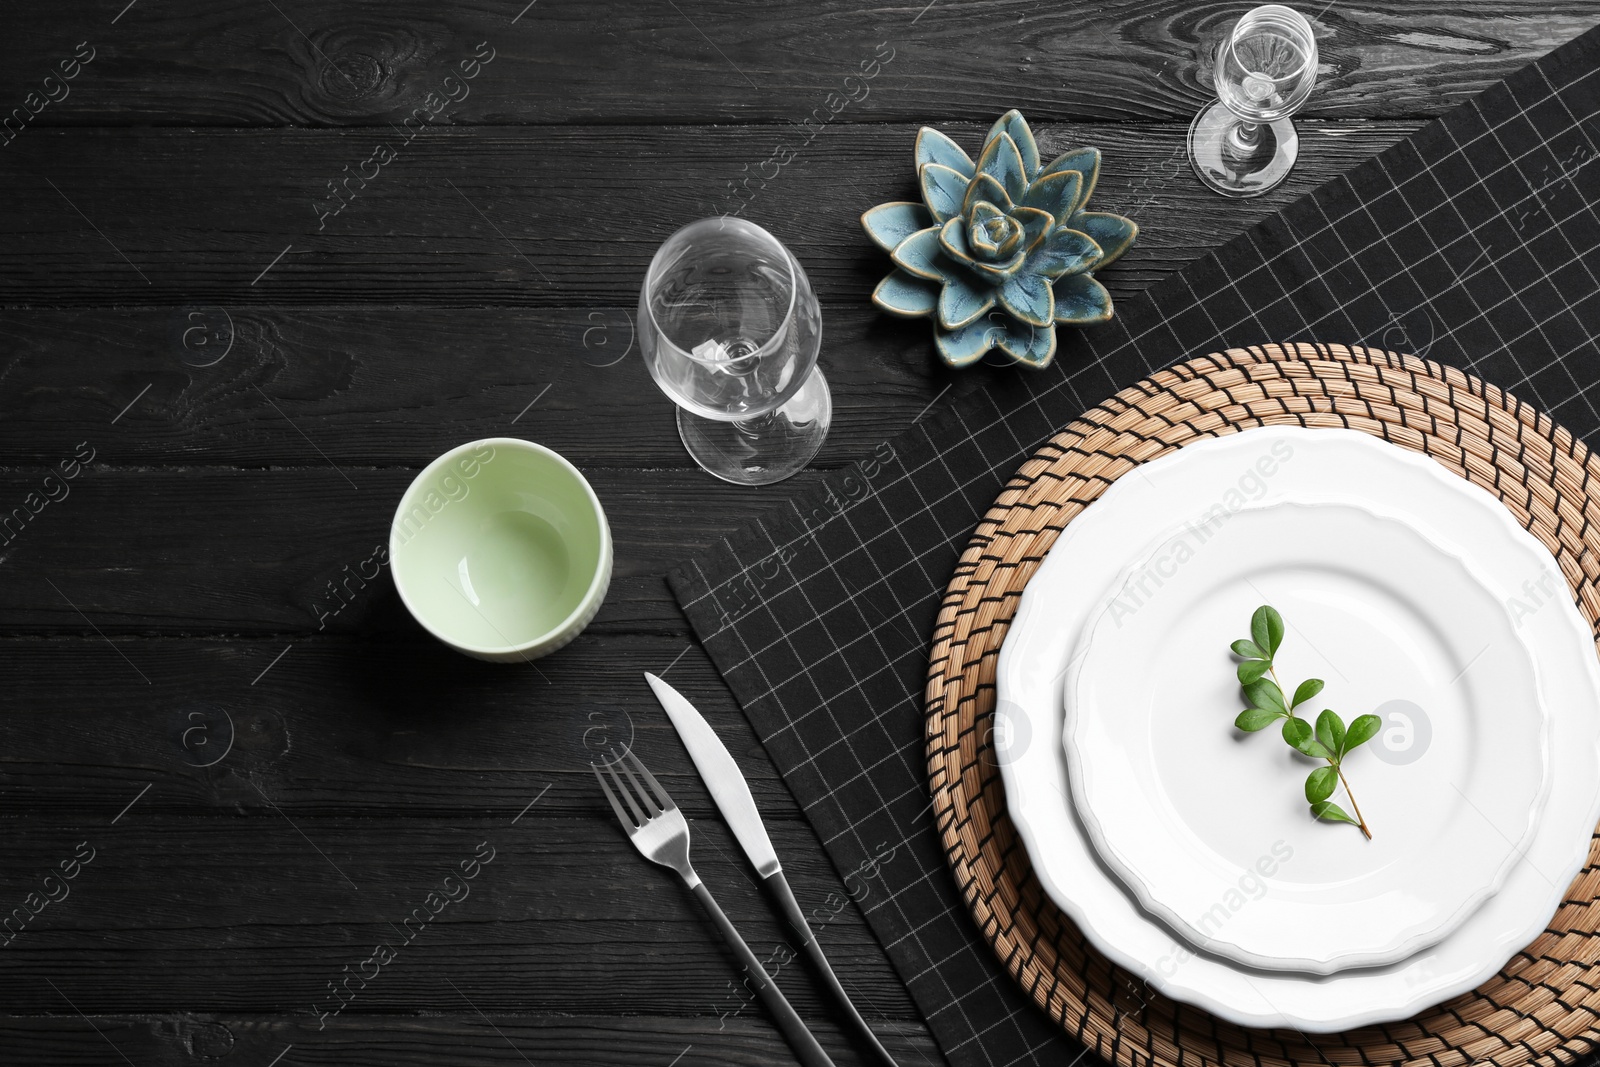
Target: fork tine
605	786
644	794
639	817
661	794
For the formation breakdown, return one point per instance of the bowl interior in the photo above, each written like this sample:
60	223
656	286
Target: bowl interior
496	545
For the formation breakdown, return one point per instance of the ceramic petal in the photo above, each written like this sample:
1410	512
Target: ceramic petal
1035	225
1081	301
935	147
992	233
965	346
1064	251
984	246
962	301
995	272
1056	193
1085	161
985	190
1016	127
907	295
943	190
1032	346
1003	162
889	224
1113	233
983	211
1027	296
920	254
953	239
1012	241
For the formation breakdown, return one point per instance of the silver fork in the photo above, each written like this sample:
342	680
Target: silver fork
659	831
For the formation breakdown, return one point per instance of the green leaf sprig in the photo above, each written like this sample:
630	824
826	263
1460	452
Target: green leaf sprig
1330	740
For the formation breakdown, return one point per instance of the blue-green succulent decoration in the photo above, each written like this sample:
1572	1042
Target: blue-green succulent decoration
1000	251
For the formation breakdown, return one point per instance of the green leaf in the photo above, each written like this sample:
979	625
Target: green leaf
1308	689
1258	629
1247	650
1326	809
1330	731
1274	631
1264	693
1252	719
1266	629
1320	783
1252	669
1297	733
1361	731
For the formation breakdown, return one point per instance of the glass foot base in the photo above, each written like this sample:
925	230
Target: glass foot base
1238	158
767	448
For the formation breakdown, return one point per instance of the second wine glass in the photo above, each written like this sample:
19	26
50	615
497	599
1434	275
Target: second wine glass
1245	144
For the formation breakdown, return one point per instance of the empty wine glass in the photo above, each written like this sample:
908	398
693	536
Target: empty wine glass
730	330
1244	144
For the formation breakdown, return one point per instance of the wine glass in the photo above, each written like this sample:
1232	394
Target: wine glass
1244	144
730	330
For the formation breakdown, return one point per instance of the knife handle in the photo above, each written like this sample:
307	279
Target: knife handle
797	920
800	1039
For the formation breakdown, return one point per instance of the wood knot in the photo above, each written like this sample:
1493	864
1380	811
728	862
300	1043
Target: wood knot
352	74
208	1041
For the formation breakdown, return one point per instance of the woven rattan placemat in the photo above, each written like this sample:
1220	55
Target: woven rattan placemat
1543	1006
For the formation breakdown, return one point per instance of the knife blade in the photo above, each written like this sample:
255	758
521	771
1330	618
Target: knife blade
732	795
721	775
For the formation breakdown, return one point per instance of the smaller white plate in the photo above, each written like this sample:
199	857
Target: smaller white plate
1181	805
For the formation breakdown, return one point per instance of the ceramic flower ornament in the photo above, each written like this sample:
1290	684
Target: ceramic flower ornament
999	251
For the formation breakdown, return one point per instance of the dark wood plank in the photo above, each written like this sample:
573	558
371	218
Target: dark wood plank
237	551
398	386
341	727
608	61
635	1039
552	914
539	217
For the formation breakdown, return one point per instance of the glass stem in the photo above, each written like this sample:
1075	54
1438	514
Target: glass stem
755	426
1246	134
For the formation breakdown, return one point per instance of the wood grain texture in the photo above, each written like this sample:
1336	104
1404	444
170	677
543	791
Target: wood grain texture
237	63
551	923
530	217
385	386
467	1039
346	728
238	551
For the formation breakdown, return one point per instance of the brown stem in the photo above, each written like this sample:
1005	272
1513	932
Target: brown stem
1360	819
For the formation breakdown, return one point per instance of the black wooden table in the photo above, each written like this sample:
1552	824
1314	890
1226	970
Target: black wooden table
262	261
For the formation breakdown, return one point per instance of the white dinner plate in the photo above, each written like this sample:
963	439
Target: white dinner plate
1182	805
1259	466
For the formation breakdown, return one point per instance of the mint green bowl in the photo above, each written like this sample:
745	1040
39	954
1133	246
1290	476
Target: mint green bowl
501	550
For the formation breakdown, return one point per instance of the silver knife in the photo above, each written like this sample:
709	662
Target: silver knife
732	794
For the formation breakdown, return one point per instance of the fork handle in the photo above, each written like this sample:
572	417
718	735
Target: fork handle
800	1039
797	921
